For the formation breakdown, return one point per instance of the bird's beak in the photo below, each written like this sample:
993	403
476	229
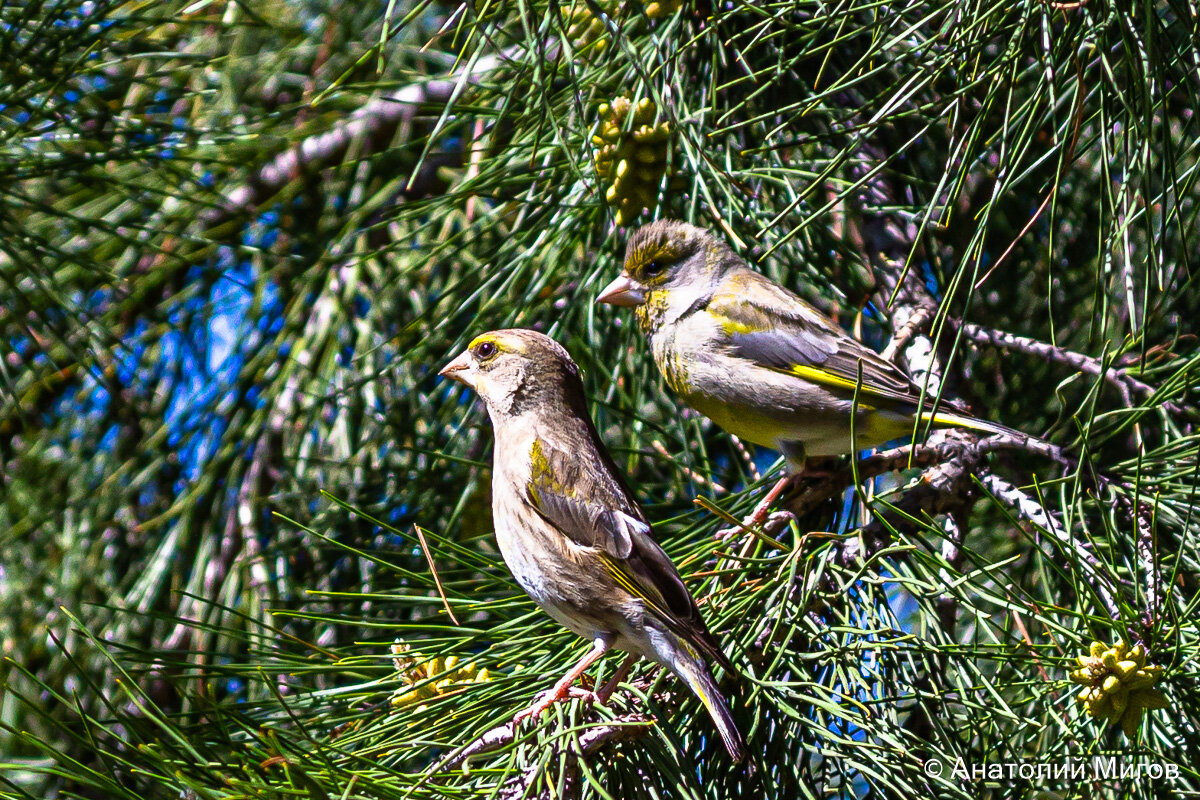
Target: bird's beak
459	370
624	291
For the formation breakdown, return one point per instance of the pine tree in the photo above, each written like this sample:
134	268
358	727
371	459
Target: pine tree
247	536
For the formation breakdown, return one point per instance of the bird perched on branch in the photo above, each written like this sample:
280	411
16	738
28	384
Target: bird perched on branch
759	361
570	530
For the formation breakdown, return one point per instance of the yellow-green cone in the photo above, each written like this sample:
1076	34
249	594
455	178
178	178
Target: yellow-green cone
1118	684
630	155
585	30
417	674
657	9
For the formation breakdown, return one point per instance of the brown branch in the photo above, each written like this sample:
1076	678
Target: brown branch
897	458
940	448
367	124
914	325
891	246
587	743
1118	377
1032	510
942	490
493	739
1020	501
1148	563
950	488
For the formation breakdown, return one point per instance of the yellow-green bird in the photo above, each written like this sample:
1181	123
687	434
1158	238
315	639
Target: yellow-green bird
759	361
571	531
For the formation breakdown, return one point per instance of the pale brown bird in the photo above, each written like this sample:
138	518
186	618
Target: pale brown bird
570	530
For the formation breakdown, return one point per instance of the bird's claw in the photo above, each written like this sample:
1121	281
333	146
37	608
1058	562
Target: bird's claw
550	697
727	533
784	516
768	522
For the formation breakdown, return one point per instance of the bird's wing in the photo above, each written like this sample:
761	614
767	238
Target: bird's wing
594	509
768	325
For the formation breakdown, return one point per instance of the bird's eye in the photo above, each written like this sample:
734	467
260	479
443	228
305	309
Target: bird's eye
485	350
654	268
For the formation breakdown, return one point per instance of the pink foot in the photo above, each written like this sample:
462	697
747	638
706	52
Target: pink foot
550	697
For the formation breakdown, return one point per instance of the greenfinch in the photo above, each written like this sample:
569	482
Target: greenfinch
759	361
571	531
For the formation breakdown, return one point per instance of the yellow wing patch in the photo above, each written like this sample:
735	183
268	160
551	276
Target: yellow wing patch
631	585
733	326
542	475
823	378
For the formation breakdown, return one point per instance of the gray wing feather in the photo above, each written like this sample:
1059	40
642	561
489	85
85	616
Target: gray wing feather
609	520
774	328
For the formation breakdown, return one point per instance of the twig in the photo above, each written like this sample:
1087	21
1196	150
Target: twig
897	458
940	447
746	456
949	488
494	739
1064	165
1117	376
1147	551
1032	510
1026	506
1024	631
951	552
364	124
477	153
631	726
739	526
694	476
433	570
586	744
945	488
1020	235
626	726
914	325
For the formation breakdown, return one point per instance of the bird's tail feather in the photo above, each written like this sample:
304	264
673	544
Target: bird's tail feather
695	674
950	419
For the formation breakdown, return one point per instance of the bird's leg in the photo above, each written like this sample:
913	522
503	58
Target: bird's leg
611	685
562	689
802	469
760	512
794	453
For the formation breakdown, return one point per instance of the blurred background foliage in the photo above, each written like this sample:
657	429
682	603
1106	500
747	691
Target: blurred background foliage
238	240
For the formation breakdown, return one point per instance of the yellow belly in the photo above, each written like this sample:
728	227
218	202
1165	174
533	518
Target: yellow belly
822	432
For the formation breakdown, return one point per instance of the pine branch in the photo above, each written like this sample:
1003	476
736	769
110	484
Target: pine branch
1117	376
626	727
372	125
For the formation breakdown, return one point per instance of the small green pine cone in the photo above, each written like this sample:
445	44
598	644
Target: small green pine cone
657	9
1118	684
587	32
630	155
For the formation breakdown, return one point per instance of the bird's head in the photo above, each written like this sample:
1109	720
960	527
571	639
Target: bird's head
667	258
515	371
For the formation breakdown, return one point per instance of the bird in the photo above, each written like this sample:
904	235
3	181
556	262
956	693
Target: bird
571	531
759	361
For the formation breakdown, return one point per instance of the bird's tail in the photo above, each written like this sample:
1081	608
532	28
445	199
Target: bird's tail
951	419
693	671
